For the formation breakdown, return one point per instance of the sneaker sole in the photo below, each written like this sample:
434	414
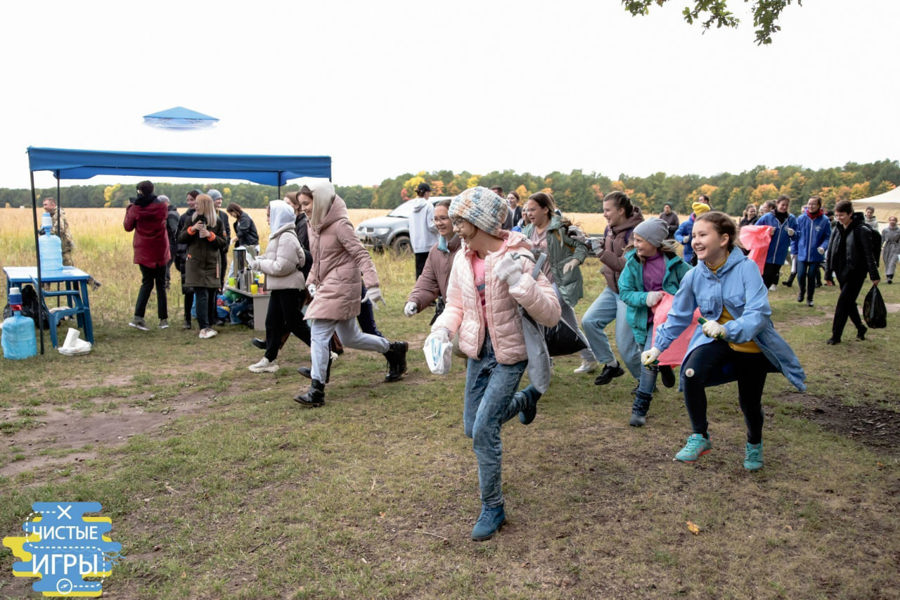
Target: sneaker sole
139	327
263	369
692	460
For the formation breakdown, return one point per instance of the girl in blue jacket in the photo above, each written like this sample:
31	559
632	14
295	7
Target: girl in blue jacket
784	226
813	233
736	342
651	268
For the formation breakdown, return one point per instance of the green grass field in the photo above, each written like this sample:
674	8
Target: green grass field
220	486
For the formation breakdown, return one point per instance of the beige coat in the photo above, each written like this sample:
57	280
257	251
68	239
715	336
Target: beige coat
463	311
339	260
280	260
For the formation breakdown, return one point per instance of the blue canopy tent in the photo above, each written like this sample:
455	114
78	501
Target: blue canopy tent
84	164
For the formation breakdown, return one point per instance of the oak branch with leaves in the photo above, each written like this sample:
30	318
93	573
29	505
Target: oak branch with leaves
715	12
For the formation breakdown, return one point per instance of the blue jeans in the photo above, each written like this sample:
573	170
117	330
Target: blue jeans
489	403
646	384
606	309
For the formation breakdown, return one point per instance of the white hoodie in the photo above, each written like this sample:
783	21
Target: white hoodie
422	231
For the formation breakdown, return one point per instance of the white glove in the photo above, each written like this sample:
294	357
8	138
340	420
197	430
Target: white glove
508	270
790	232
577	234
648	357
821	251
253	264
311	288
685	239
573	262
410	309
653	298
714	329
373	295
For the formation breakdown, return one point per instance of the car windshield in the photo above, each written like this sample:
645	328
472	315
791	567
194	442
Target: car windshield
404	211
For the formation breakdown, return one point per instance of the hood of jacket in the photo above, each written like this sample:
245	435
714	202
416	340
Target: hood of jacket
420	204
337	212
630	222
145	200
281	214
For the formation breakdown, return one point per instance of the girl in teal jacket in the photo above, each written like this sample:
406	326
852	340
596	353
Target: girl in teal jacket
651	268
736	340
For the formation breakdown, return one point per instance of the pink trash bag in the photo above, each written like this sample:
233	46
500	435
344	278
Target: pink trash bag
674	354
756	238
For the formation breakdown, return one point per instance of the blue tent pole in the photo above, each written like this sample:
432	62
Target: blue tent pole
37	251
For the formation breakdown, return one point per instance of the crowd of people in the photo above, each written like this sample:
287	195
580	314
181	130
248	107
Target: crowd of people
476	259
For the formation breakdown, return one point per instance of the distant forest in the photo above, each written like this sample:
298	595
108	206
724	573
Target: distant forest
574	192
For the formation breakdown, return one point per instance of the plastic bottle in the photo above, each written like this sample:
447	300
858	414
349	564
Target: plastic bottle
18	339
49	247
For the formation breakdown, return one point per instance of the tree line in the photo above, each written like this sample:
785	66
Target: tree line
576	191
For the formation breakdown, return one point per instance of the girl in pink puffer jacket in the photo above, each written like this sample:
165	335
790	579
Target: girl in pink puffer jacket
487	284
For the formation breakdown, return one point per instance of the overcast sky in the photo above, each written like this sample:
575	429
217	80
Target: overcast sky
403	86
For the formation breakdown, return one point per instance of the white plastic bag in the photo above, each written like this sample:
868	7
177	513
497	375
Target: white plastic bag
438	350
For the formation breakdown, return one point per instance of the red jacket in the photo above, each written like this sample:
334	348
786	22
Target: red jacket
151	240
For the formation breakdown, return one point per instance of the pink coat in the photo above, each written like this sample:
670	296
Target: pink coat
463	311
339	259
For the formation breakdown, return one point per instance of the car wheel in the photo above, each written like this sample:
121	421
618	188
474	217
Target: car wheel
401	245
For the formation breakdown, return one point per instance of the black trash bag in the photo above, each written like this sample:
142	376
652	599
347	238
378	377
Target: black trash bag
563	339
874	310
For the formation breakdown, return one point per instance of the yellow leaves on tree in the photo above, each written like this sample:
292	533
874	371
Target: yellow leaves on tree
705	189
437	187
793	185
832	195
761	193
859	191
522	191
767	176
883	188
472	181
109	194
410	185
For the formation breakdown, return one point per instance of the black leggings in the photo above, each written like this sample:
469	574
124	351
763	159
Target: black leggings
283	317
851	285
150	277
716	363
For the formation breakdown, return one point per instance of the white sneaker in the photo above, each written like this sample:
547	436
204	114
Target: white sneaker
205	334
264	366
587	366
138	323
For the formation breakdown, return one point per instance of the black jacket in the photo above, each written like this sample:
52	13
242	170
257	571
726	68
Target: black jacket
245	231
172	220
850	250
181	247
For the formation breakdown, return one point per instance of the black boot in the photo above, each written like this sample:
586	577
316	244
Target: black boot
790	280
314	396
639	409
396	357
307	372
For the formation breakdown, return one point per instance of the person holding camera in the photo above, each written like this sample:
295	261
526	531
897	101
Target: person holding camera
205	239
146	216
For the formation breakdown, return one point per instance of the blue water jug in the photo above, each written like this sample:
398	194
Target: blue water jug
50	251
18	339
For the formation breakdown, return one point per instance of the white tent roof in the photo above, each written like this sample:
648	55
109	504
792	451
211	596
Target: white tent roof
891	196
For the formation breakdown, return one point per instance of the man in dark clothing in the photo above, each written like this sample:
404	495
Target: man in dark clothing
851	257
181	254
172	218
671	220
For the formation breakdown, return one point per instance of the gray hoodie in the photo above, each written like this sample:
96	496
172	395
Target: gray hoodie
422	230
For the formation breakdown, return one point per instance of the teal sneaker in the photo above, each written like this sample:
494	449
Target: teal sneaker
696	446
489	522
753	457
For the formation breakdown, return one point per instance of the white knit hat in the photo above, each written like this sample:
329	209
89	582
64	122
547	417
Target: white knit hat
482	208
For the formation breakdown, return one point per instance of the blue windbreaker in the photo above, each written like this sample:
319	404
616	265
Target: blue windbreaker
685	229
778	247
812	234
737	286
